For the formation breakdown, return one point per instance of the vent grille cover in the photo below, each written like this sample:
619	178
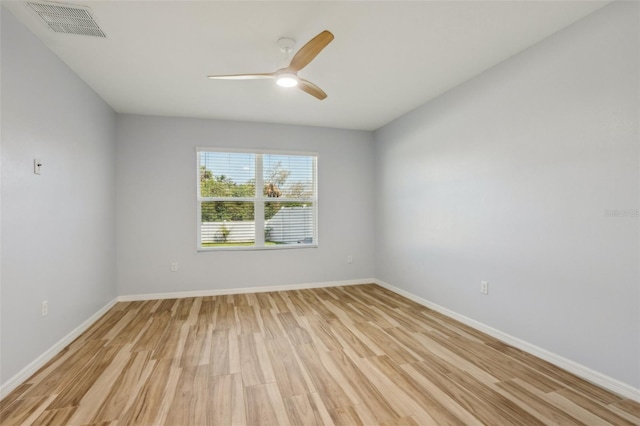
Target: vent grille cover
69	19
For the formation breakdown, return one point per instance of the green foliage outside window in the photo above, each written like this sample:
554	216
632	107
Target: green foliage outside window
221	186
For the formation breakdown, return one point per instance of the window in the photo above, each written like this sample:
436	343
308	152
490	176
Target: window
256	199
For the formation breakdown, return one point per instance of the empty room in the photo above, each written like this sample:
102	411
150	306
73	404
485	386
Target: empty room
320	213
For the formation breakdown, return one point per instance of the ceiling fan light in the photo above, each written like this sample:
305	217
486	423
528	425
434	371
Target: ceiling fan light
287	80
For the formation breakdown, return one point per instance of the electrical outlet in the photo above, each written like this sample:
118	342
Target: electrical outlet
45	308
349	259
174	267
484	287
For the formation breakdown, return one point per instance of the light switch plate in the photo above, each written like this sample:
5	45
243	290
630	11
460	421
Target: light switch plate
37	165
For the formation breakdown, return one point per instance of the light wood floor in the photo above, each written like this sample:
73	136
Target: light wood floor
344	355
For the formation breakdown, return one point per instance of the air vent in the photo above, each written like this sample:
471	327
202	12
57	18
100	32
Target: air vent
69	19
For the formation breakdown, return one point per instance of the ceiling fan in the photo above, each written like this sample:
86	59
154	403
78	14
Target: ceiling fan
288	76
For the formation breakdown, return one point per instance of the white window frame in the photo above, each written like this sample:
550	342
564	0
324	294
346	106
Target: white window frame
259	200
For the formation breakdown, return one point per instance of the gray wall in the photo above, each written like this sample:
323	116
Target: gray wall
507	179
58	229
157	221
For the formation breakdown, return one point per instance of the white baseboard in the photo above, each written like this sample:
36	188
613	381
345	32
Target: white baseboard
36	364
201	293
579	370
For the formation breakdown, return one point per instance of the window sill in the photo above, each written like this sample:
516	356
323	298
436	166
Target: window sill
253	248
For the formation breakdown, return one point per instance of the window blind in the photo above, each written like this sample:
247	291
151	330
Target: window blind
256	200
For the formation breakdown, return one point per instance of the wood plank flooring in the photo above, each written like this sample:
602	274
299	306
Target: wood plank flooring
356	355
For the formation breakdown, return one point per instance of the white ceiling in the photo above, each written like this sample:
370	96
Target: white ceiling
387	57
